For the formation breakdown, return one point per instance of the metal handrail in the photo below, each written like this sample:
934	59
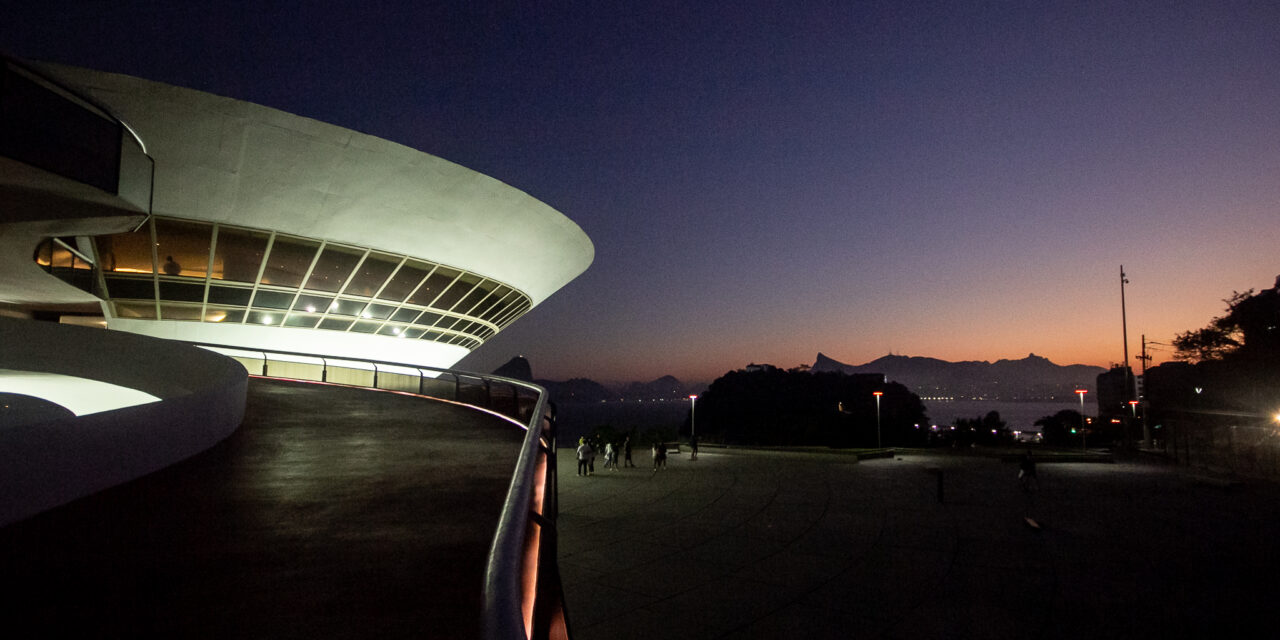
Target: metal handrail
523	597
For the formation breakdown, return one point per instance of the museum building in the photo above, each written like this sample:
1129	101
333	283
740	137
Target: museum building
179	214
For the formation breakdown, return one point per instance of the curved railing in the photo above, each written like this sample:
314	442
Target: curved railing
523	597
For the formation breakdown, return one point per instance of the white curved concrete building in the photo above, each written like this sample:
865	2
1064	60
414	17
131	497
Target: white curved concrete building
260	229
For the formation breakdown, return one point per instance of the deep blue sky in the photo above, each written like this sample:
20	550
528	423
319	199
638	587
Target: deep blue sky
766	180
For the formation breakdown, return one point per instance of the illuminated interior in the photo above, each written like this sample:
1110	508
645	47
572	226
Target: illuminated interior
172	269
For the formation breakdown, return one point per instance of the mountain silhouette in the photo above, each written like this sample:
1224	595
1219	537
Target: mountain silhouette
1031	378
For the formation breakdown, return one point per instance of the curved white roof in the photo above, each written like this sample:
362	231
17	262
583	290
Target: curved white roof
224	160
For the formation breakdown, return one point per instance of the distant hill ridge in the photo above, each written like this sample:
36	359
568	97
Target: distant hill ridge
586	390
1031	378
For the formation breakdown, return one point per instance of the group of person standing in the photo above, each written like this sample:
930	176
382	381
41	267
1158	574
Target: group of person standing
587	456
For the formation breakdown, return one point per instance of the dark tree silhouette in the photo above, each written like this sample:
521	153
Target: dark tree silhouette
774	406
1249	330
1056	429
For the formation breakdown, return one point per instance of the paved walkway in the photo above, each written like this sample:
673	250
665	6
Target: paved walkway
754	544
332	513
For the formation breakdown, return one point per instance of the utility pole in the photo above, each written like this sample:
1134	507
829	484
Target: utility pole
1146	427
1128	373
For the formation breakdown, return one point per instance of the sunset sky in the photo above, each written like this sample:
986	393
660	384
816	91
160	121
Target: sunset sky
767	180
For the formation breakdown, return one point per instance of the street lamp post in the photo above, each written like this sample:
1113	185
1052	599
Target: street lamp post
693	415
1084	442
877	394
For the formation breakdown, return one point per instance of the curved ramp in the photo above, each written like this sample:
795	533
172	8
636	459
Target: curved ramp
332	512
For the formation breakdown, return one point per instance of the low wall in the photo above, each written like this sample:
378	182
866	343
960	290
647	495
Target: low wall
43	465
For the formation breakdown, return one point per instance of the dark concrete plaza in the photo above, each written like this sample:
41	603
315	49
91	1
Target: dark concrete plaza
332	513
763	544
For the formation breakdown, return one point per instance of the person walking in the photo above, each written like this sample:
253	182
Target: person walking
610	457
693	444
626	450
1027	473
1030	487
584	456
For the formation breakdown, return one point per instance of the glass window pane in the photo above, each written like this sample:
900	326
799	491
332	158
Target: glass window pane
289	260
455	293
428	318
405	315
434	285
306	320
365	326
43	253
238	254
392	330
497	311
312	304
125	252
346	307
183	247
490	306
372	273
512	314
223	315
470	305
59	257
413	332
265	318
135	310
189	312
335	324
234	296
181	292
333	268
405	280
272	299
376	311
432	335
130	287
